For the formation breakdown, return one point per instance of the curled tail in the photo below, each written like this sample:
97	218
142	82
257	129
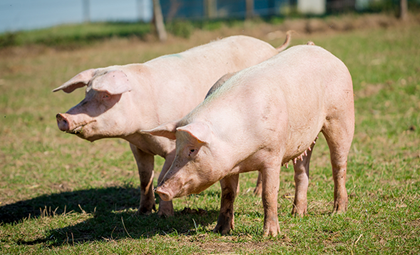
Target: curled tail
286	42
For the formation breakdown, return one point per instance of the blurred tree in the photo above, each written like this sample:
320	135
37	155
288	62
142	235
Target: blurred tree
175	4
339	6
403	10
158	21
249	9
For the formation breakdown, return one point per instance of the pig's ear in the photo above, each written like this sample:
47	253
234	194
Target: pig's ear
167	130
219	83
114	82
199	131
78	81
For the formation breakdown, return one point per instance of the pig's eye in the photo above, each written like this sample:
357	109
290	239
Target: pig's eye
105	96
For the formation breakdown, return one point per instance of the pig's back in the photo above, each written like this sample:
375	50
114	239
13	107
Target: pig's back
181	81
204	65
234	50
302	74
285	97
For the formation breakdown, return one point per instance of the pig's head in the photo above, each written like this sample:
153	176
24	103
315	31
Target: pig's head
195	167
103	112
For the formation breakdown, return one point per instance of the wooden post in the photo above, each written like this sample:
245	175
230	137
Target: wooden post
249	9
403	10
158	21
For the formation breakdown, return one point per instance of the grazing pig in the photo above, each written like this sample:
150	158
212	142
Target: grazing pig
220	82
122	100
260	119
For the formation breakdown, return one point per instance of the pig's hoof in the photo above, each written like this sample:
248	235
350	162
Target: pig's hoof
166	209
225	223
222	229
258	191
163	212
338	211
339	208
146	210
299	211
272	230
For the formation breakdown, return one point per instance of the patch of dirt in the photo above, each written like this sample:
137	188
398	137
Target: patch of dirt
231	248
345	23
369	90
63	186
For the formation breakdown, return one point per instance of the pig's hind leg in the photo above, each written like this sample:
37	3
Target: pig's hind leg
145	163
258	186
230	188
270	187
338	132
301	168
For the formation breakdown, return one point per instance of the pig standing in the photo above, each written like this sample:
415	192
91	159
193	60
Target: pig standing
260	119
122	100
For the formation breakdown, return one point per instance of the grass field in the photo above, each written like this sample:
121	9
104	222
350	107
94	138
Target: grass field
60	194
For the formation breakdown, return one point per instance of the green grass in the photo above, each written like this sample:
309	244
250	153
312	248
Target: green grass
77	35
60	194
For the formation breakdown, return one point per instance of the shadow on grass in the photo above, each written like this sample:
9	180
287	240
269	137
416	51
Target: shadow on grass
111	215
104	199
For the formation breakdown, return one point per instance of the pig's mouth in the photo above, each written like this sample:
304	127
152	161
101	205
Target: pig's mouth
178	189
79	128
167	194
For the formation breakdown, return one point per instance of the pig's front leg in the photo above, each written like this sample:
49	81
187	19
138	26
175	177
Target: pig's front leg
230	188
166	208
270	181
145	164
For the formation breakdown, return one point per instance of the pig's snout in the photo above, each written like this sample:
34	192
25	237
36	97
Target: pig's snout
164	193
62	122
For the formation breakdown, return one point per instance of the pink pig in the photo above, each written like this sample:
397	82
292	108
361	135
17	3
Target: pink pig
122	100
260	119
